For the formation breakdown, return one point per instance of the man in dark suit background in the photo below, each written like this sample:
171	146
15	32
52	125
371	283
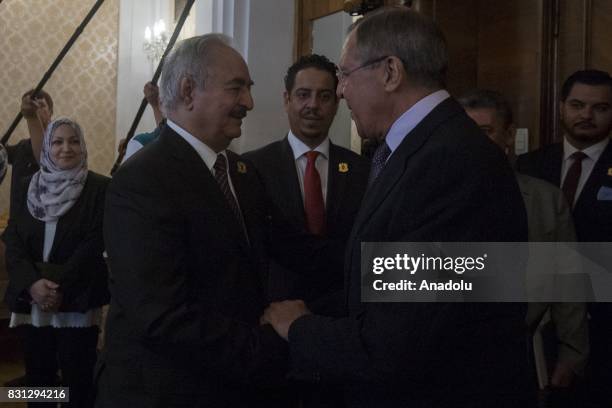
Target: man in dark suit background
316	184
549	220
582	166
436	177
184	234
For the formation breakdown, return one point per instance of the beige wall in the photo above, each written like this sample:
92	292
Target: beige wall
32	33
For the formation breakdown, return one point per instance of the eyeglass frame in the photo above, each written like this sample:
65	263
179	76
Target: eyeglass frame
342	75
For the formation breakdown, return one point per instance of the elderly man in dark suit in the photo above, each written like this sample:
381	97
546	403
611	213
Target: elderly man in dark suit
436	177
316	184
549	220
184	233
582	167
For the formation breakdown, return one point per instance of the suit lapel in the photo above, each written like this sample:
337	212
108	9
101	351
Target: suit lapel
290	181
238	171
63	225
68	221
201	179
396	164
336	183
388	178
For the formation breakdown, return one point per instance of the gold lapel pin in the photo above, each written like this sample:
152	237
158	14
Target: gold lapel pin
343	167
241	167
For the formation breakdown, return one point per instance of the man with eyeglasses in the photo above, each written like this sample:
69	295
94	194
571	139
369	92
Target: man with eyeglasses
435	177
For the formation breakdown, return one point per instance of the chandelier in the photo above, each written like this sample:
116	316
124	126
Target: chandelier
156	41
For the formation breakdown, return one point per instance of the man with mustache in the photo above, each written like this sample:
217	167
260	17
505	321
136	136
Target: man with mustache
582	166
434	178
316	184
185	234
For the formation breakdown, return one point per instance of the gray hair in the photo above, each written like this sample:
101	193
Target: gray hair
408	35
487	99
188	58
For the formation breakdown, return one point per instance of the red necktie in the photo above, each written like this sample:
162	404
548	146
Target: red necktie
570	184
313	197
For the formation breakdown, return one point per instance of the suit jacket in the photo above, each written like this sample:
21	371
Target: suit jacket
593	221
183	326
592	217
75	261
445	182
346	184
550	220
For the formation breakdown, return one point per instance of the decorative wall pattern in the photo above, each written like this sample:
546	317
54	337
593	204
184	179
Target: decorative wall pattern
84	86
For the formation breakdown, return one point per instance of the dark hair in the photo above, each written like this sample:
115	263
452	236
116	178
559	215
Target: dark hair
587	77
408	35
44	95
487	99
320	62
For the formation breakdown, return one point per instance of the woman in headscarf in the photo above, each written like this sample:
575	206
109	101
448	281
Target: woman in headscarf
57	274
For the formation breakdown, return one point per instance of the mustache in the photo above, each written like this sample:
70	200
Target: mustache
587	123
311	114
239	112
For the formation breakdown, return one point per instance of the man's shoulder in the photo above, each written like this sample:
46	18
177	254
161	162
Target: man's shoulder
97	179
534	185
263	154
545	153
150	165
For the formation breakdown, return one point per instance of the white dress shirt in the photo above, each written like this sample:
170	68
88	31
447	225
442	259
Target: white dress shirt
207	154
322	163
593	153
412	117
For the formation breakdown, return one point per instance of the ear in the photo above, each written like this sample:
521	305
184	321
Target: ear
286	99
394	73
186	89
510	138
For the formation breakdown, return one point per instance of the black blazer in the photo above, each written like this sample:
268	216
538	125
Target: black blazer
183	324
593	217
445	182
77	251
276	165
346	185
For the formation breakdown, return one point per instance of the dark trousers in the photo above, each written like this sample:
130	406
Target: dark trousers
73	350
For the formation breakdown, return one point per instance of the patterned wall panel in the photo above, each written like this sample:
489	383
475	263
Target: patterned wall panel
32	33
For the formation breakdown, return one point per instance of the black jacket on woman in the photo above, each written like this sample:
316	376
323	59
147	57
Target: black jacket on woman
75	261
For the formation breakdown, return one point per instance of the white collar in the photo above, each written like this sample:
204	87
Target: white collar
412	117
300	148
593	152
204	151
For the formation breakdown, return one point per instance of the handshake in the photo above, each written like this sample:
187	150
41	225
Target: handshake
282	314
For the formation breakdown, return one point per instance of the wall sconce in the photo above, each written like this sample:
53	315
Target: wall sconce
156	41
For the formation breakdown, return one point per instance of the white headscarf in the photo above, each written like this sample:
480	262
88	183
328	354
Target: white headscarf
53	191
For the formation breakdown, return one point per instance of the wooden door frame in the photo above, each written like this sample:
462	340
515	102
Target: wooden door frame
306	11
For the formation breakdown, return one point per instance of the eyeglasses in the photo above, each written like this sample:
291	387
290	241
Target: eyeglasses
344	74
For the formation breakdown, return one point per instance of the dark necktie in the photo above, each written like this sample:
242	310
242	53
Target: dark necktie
570	184
313	197
378	161
221	177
